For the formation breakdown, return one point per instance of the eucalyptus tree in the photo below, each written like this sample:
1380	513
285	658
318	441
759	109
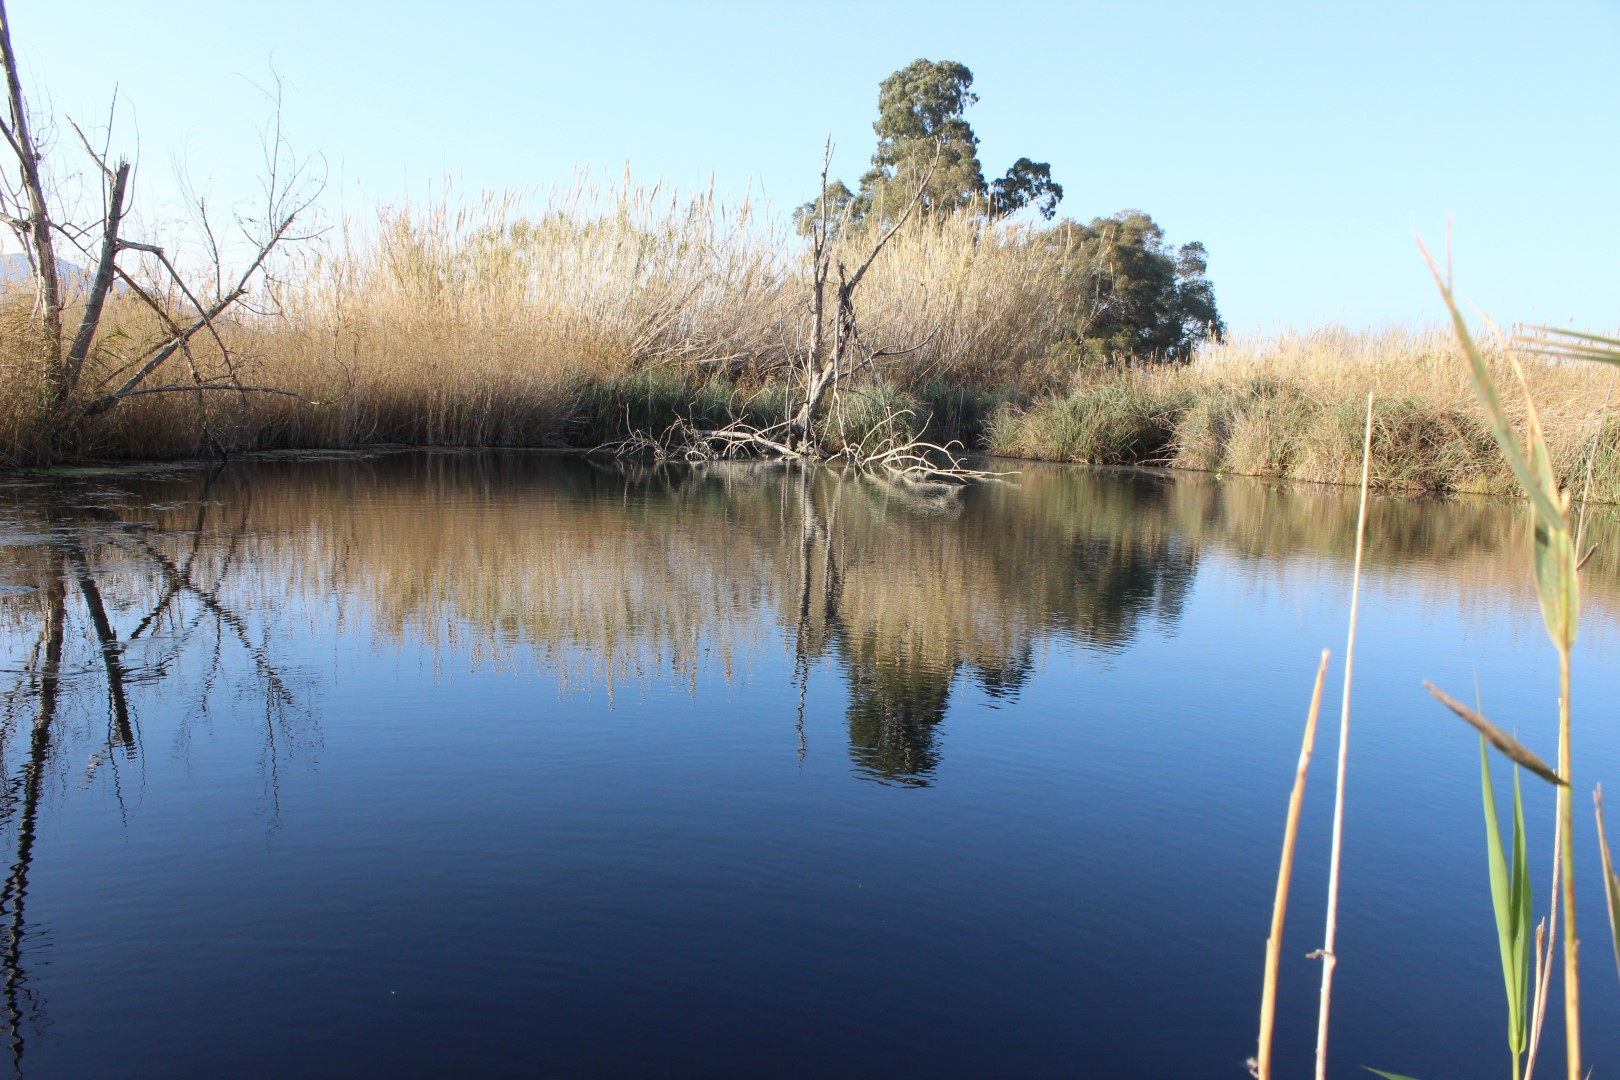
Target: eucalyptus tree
922	131
1132	294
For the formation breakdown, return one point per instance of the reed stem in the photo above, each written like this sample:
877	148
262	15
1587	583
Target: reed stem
1544	950
1329	960
1285	872
1572	980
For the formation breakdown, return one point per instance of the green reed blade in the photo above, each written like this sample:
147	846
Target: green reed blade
1538	347
1507	885
1505	743
1557	586
1569	344
1520	920
1386	1075
1555	331
1501	893
1540	459
1610	880
1496	416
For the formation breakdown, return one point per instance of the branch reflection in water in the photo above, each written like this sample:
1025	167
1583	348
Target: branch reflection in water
160	575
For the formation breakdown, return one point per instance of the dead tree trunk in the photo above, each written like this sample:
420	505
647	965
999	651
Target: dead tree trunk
34	229
86	376
823	369
100	285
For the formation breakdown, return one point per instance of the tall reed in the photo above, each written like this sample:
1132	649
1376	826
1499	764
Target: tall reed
511	320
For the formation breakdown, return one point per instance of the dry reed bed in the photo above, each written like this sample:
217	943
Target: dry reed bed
616	307
1292	405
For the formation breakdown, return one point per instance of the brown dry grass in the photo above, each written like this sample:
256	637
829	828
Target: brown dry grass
621	306
1292	405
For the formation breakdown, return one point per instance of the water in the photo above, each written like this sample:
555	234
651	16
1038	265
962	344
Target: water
448	764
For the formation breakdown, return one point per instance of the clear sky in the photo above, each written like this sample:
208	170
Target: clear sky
1304	144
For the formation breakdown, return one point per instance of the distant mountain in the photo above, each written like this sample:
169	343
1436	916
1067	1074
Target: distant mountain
15	273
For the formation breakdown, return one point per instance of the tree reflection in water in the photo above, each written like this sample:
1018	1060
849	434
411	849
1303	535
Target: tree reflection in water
77	655
910	586
888	599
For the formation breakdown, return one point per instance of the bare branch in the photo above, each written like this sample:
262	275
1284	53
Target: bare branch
73	363
101	162
911	207
233	387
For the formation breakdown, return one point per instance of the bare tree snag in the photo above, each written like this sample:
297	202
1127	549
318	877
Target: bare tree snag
101	285
34	228
94	372
884	446
823	370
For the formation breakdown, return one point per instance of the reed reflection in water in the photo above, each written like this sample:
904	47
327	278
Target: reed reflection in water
142	605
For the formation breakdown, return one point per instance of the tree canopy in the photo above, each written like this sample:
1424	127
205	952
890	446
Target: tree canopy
921	127
1132	294
1128	293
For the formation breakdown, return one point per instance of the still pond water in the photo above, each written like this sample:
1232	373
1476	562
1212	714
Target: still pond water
437	764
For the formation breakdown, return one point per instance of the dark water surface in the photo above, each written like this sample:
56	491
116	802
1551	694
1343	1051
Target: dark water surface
477	764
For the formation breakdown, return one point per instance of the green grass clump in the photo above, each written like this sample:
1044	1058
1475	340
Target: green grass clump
1257	427
958	411
1416	446
867	416
651	399
1117	424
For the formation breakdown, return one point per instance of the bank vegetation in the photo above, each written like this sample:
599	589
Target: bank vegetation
622	308
619	314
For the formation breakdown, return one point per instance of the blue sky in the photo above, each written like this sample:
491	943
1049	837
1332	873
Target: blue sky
1304	144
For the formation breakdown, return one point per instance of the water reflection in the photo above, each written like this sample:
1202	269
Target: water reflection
909	588
89	564
137	605
601	575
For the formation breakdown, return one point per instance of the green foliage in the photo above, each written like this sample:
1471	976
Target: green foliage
1130	294
1511	902
921	129
1611	882
956	411
843	207
1027	183
867	416
651	399
1255	428
1104	425
1415	446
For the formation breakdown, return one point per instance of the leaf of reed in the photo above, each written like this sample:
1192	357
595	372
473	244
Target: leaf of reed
1539	459
1503	901
1570	344
1495	415
1541	465
1519	916
1581	335
1611	883
1557	584
1386	1075
1505	743
1558	351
